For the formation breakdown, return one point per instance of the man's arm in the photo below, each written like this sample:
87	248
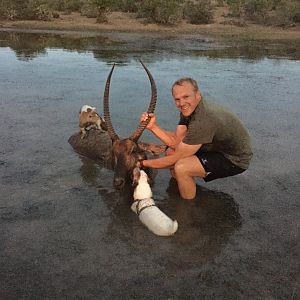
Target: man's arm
171	139
182	150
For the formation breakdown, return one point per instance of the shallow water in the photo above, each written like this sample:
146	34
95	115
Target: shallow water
66	233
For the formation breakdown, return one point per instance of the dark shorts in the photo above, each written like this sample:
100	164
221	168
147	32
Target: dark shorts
217	165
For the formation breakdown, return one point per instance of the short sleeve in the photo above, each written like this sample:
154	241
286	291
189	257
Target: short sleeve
199	133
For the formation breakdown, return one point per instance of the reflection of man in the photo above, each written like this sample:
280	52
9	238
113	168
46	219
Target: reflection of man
209	142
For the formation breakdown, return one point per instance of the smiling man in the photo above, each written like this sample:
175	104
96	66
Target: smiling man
209	142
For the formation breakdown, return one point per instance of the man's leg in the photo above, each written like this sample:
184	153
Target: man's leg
185	170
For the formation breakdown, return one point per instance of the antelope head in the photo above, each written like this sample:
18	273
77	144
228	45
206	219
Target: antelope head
127	151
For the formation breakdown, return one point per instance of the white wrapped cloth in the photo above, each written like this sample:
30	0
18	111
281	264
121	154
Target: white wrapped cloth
144	206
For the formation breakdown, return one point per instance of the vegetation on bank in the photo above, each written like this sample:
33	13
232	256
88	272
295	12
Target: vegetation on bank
267	12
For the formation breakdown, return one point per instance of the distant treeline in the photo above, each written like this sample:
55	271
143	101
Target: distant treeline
268	12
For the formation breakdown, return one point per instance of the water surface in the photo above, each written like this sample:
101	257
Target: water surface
66	233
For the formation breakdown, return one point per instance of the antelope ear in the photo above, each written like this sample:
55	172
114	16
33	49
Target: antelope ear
136	177
103	124
132	148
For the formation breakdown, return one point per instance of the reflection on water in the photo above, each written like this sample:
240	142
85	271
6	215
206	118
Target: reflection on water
204	224
30	45
108	48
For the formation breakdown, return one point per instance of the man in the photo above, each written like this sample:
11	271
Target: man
209	142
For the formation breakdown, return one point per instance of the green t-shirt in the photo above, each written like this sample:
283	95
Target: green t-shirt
218	130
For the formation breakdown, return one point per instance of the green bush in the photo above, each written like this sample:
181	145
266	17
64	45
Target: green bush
271	12
17	9
128	5
235	7
4	10
66	5
102	7
220	2
257	10
88	10
287	13
200	12
24	9
36	10
7	13
161	12
57	4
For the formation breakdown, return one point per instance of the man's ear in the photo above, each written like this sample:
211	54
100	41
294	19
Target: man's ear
198	95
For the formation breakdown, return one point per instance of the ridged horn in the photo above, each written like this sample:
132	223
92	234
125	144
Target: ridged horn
106	113
138	132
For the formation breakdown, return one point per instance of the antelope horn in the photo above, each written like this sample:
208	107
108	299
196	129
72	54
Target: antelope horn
106	113
138	132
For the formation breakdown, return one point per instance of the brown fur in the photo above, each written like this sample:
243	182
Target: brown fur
136	177
90	118
136	174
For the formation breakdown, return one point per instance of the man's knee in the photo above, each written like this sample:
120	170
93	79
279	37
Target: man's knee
189	167
181	167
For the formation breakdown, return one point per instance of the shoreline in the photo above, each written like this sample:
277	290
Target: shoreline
126	23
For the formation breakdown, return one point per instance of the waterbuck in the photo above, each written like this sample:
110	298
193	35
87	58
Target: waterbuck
123	153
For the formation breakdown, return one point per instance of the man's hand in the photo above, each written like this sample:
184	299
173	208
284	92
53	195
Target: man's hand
145	116
139	164
181	151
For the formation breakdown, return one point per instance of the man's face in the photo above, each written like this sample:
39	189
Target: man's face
186	98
